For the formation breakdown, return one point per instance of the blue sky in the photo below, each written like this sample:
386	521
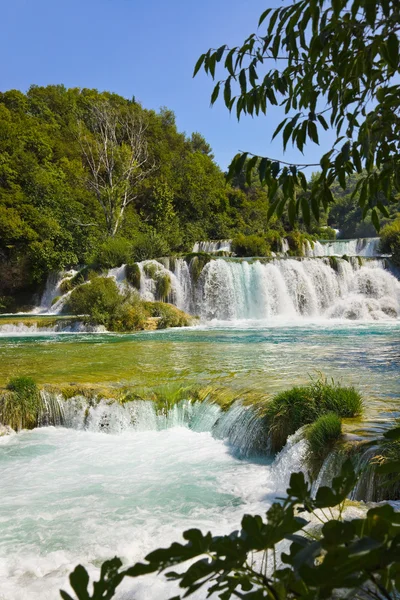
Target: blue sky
145	49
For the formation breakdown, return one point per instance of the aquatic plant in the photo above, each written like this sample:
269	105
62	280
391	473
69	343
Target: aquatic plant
20	404
132	273
321	436
163	285
197	261
334	263
298	406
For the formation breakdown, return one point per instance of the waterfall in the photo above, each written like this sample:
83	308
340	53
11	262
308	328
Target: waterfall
212	247
367	247
322	285
240	426
52	291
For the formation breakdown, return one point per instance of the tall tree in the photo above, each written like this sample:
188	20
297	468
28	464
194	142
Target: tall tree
329	64
115	152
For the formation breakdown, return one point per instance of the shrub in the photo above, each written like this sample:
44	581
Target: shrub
321	436
129	317
113	253
324	233
98	300
20	407
390	241
149	245
274	239
250	245
133	275
291	409
170	315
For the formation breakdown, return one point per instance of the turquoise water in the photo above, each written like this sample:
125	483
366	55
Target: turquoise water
70	496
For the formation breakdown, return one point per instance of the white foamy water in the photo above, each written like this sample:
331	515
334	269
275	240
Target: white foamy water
368	247
74	496
211	247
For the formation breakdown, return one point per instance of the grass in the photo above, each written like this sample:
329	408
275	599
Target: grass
291	409
133	275
322	435
20	404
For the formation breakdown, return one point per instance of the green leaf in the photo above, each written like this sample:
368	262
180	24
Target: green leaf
264	16
382	208
262	169
249	169
392	46
243	81
215	93
240	162
375	220
275	168
315	207
229	62
305	209
198	65
220	52
323	122
79	580
227	92
313	132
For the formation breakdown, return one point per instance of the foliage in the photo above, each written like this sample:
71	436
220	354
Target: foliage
133	275
390	241
197	261
250	245
321	436
114	252
332	64
298	406
343	558
101	303
98	299
19	408
168	315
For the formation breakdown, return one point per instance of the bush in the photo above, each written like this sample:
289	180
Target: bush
133	275
390	241
20	408
291	409
250	245
149	245
98	300
114	252
321	436
170	315
274	239
324	233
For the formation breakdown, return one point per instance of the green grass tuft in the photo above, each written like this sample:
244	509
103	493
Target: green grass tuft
20	405
321	436
291	409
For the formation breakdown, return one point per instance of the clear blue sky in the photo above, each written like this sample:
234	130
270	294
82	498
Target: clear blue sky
145	49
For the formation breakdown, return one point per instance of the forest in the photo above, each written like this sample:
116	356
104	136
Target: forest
90	177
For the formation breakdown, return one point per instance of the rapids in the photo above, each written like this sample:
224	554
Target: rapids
94	494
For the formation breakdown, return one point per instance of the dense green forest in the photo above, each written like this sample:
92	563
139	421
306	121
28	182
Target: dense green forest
89	177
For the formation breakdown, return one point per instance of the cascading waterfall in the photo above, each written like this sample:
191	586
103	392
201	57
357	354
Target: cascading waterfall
53	291
240	426
368	247
211	247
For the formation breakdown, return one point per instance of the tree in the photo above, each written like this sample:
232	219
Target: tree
116	155
331	64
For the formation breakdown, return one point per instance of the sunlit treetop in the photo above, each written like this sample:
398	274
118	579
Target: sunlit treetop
331	64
